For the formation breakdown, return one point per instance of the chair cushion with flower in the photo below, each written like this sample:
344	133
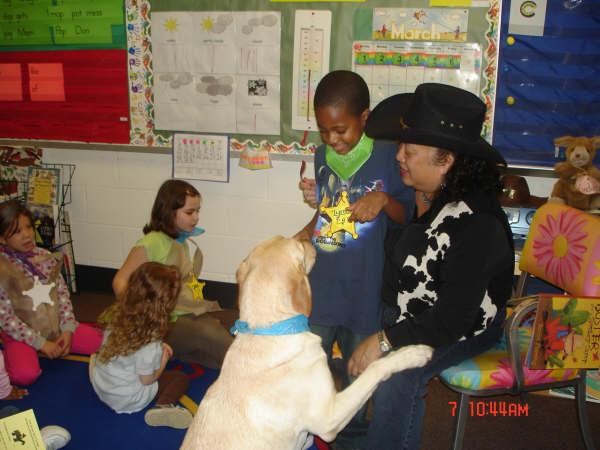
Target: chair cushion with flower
563	249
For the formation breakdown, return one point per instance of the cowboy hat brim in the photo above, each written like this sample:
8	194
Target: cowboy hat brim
387	121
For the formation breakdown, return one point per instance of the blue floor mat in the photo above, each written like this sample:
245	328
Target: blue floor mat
64	396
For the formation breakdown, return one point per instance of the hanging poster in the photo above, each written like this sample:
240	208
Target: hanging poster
217	71
395	67
201	157
312	36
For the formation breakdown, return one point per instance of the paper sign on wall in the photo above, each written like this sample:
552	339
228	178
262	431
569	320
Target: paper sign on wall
11	87
201	157
527	17
312	36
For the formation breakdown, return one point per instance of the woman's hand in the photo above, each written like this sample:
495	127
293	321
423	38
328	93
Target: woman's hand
308	188
366	352
51	349
64	341
368	206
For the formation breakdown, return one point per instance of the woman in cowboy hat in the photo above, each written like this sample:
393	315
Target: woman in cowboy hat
449	273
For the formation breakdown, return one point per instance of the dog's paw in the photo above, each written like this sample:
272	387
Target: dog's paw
411	356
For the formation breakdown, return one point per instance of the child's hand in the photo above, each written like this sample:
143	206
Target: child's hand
368	206
308	188
51	349
16	394
64	341
167	353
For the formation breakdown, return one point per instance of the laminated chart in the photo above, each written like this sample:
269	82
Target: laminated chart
312	35
201	157
217	71
396	67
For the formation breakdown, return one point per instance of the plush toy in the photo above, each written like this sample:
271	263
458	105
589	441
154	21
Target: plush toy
578	182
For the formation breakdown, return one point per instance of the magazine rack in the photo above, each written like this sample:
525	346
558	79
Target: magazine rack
64	240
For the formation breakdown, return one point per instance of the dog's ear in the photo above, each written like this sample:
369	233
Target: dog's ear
308	258
242	271
301	295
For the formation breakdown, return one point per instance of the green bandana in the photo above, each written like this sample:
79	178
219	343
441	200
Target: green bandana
347	165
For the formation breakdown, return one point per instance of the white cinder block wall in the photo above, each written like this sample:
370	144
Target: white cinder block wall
113	192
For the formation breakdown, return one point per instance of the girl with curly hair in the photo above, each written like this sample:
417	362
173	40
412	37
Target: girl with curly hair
128	371
199	328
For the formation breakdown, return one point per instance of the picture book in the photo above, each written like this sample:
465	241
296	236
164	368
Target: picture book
593	388
21	431
45	223
566	333
43	185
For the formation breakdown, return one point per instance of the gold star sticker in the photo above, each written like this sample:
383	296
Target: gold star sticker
196	287
339	215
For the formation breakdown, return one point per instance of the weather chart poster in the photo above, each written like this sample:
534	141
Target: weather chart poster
63	71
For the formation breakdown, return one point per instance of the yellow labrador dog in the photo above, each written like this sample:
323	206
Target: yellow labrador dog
275	389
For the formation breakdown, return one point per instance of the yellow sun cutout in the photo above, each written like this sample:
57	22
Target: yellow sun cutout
171	24
207	24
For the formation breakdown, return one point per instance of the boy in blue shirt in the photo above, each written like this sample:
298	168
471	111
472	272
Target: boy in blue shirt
358	195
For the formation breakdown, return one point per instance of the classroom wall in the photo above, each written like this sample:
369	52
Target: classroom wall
113	194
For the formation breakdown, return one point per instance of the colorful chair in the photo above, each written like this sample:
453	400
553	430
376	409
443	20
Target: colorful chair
563	249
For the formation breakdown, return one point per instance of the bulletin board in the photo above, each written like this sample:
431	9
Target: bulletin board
63	72
351	22
548	85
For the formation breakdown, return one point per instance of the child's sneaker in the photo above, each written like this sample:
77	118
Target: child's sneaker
168	416
55	437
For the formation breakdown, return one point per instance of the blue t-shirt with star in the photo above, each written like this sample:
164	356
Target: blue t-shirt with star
347	275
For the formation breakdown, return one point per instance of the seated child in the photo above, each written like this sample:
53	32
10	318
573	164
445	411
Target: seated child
36	313
127	373
54	437
199	329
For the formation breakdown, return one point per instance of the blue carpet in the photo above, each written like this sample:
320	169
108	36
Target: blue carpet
64	396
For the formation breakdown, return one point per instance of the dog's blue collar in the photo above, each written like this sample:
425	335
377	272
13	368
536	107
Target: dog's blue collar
293	325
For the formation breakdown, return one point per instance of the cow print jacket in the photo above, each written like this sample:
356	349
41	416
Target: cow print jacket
448	273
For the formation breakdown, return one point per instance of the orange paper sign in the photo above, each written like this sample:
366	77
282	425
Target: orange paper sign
11	87
46	82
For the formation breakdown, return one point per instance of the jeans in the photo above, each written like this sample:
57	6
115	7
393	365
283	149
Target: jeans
399	403
354	432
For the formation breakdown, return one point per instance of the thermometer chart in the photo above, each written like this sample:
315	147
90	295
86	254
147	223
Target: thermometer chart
311	61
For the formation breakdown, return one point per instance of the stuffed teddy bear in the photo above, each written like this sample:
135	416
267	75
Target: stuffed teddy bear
578	182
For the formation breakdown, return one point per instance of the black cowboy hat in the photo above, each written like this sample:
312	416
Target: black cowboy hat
438	115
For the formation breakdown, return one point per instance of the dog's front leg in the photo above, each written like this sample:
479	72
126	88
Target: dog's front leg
344	405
